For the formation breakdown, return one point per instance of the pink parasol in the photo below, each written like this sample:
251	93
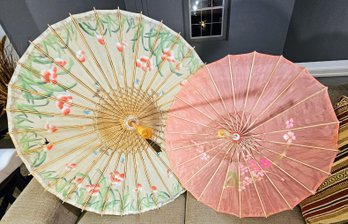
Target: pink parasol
251	135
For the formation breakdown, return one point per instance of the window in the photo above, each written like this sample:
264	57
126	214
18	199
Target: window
206	19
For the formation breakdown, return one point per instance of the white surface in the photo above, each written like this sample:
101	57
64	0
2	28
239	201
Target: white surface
9	162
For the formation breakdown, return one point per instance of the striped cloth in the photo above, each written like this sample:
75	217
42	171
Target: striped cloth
330	203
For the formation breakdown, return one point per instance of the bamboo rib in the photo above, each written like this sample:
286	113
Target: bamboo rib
205	165
95	161
62	174
256	189
239	190
85	42
205	114
287	109
136	179
72	75
248	87
295	160
37	74
124	183
300	145
276	99
67	127
72	53
212	177
263	90
104	168
195	145
198	155
106	197
120	37
55	99
161	64
187	133
232	88
270	180
155	199
294	129
114	72
50	114
288	174
225	179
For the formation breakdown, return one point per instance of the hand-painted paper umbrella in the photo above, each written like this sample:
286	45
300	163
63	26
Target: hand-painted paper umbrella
87	106
251	135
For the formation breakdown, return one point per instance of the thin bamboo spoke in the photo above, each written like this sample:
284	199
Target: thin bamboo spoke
299	145
176	40
248	88
72	53
102	174
200	154
66	127
287	109
37	75
194	122
106	47
187	133
263	90
59	158
295	160
86	44
136	179
200	111
295	129
232	88
55	99
281	94
272	183
158	174
155	199
255	186
225	179
196	145
124	183
239	190
206	164
288	174
51	114
136	51
212	177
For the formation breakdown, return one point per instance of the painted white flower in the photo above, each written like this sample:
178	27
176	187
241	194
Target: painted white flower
289	123
289	137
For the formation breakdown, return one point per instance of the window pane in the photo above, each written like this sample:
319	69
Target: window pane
195	4
217	15
196	30
217	2
216	29
196	17
206	3
206	16
206	30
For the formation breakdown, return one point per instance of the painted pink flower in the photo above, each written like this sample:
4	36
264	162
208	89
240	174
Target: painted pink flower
50	75
81	56
50	127
60	62
265	163
120	46
100	38
289	137
144	63
289	123
253	165
64	103
138	188
117	178
178	66
70	166
93	189
79	180
167	55
154	188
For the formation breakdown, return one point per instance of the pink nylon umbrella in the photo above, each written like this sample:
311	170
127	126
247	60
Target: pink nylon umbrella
251	135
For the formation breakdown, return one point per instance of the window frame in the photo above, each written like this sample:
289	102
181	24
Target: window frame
188	25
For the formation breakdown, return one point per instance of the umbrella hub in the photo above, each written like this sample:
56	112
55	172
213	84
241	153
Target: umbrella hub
236	136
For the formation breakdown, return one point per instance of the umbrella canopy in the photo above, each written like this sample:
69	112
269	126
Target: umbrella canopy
251	135
87	106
